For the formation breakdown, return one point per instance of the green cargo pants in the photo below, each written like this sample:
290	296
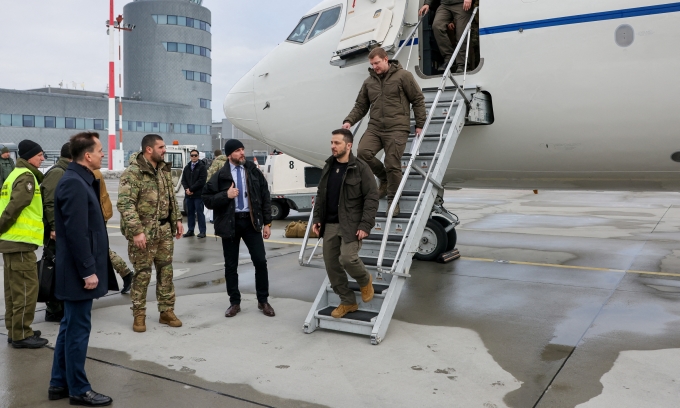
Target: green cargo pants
394	144
21	293
340	256
460	18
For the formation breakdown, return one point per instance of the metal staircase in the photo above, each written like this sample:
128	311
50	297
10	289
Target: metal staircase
388	251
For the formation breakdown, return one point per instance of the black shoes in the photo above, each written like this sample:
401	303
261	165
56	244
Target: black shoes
91	399
201	235
54	317
57	393
188	234
35	333
33	342
127	283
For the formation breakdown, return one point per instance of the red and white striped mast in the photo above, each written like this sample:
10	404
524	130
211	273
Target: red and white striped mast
112	90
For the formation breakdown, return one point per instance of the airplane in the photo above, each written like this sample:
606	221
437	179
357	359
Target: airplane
582	92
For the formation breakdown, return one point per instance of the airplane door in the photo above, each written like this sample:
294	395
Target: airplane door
370	24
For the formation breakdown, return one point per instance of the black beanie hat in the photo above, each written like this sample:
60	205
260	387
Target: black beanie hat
66	151
28	149
232	145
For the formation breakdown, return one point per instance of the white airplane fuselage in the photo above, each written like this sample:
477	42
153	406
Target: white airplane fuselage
572	108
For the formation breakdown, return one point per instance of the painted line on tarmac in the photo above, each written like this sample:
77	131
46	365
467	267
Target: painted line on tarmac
266	241
586	268
465	258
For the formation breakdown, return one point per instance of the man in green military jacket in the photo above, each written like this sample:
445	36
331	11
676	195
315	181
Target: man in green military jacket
21	233
6	164
150	218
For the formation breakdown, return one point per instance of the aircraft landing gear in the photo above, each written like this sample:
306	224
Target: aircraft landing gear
440	234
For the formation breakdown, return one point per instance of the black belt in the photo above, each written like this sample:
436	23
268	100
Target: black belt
242	215
164	221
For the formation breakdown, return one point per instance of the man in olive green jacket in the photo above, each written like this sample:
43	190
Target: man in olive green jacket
388	92
6	164
453	14
20	236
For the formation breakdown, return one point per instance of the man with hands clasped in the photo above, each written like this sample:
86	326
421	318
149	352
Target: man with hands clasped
239	195
344	214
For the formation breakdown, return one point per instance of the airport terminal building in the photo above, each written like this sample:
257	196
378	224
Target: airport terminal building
167	89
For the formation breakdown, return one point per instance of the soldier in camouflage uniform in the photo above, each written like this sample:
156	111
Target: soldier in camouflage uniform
217	164
150	218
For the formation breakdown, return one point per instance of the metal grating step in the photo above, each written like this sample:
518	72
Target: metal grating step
378	288
359	315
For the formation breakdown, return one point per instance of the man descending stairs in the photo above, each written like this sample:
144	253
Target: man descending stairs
396	236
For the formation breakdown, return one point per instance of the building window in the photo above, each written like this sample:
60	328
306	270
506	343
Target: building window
17	120
163	19
190	49
191	129
172	20
204	77
70	123
50	122
205	103
80	123
5	120
89	123
186	48
99	124
28	121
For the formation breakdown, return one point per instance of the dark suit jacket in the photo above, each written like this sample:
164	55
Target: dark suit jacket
195	180
82	240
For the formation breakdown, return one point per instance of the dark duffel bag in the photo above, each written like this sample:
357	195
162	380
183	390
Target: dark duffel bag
46	272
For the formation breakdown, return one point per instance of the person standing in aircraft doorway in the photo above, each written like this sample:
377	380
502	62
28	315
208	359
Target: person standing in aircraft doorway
450	12
388	92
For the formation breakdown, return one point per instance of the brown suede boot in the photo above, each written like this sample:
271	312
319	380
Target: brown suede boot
367	291
139	325
382	190
168	317
342	310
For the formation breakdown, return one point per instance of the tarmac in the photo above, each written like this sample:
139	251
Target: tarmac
561	299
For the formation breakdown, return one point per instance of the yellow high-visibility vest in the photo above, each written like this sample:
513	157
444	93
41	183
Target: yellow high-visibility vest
29	227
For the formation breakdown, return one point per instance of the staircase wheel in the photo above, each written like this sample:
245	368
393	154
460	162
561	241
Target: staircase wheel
453	239
433	241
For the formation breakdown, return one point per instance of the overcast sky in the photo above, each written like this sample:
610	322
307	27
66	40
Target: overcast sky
47	41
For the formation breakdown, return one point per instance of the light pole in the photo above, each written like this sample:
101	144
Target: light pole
117	25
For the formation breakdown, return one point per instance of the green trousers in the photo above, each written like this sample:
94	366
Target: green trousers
340	256
460	18
21	293
394	144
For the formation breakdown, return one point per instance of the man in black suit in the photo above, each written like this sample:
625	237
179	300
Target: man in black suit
83	269
239	195
194	177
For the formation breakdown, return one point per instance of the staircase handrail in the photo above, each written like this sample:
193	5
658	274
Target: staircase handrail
415	148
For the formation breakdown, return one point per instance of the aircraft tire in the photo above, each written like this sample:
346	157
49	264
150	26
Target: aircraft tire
453	239
433	242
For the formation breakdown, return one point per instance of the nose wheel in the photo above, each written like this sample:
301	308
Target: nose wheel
433	242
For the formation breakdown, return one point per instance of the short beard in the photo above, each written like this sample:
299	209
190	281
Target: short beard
340	154
156	158
237	162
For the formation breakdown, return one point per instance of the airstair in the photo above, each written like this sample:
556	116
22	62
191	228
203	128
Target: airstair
389	249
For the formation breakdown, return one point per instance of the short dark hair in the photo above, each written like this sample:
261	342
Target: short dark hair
82	143
194	150
217	152
347	135
377	52
150	141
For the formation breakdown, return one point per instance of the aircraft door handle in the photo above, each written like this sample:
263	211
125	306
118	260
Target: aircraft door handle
267	106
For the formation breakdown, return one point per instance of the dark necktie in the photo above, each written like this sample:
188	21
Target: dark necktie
239	185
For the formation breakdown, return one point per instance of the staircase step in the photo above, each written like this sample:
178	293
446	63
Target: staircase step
373	261
372	248
378	288
362	317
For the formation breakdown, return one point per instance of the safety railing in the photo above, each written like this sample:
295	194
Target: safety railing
408	40
415	148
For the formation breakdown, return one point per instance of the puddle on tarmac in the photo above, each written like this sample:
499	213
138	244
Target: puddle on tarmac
196	285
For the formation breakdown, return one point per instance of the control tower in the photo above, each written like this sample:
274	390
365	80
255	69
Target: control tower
168	55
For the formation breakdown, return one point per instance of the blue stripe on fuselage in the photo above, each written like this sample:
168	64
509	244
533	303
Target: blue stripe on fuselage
584	18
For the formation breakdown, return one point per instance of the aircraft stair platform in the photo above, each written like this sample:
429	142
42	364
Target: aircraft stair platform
389	249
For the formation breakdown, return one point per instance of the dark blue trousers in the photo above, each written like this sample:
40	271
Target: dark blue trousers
70	351
194	209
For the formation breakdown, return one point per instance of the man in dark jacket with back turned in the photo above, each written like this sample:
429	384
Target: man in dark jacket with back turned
388	92
194	176
344	214
239	195
83	269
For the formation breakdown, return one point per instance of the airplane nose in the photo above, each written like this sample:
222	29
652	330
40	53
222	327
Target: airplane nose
239	106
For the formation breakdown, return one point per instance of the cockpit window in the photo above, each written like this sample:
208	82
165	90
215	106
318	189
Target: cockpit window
300	33
327	20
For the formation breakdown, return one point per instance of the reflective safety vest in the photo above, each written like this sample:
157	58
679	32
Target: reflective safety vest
29	227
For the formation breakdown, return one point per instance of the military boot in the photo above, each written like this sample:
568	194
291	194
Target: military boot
168	317
367	291
396	208
342	310
139	325
382	190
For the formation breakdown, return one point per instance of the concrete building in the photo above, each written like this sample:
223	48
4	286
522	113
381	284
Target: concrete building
167	82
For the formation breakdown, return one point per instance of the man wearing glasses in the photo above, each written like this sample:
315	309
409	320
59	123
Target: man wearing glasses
194	177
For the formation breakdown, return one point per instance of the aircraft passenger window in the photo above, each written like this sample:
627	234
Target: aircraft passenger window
300	33
327	20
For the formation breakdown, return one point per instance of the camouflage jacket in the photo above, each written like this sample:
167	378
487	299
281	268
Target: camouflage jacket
216	165
140	194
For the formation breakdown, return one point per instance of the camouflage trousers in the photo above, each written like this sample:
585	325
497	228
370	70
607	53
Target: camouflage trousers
119	264
158	253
